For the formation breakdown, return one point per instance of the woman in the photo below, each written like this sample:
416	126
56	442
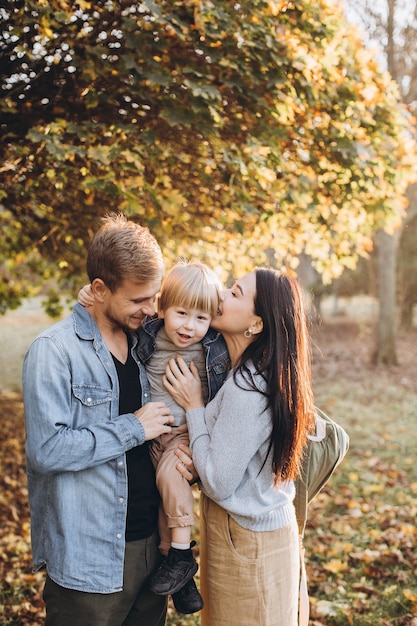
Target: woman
247	445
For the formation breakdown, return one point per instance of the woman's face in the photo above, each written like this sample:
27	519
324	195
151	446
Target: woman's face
237	310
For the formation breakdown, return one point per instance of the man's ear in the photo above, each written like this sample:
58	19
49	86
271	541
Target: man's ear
99	289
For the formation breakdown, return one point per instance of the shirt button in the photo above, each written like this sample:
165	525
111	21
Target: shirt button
120	463
88	400
119	535
121	500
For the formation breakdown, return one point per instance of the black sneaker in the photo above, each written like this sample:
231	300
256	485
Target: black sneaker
175	571
188	599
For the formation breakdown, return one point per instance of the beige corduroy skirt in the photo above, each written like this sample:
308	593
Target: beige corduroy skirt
248	578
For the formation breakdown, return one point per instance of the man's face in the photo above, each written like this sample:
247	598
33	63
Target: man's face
128	306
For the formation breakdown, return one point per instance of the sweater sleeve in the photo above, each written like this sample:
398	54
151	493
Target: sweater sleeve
229	438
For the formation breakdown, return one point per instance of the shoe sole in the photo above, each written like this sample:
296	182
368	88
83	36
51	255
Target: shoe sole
187	611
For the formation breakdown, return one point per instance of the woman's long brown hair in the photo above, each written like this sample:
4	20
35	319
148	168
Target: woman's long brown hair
281	354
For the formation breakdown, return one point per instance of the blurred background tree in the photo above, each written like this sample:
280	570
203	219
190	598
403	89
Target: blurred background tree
240	133
390	29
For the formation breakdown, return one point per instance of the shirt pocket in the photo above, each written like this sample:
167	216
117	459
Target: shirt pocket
92	396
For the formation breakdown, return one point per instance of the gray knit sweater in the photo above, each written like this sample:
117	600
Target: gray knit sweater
229	442
156	366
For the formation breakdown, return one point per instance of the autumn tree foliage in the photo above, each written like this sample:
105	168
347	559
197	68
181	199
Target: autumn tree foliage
239	132
390	27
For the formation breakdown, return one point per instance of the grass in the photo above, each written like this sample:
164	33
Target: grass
361	535
17	330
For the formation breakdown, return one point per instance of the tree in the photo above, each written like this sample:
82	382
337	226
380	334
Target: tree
238	132
407	263
392	24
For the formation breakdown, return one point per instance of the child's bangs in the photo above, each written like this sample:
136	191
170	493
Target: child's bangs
205	298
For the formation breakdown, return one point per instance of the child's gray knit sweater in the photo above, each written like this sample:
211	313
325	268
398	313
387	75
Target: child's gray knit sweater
229	440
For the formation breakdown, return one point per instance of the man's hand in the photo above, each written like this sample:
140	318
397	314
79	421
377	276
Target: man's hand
155	418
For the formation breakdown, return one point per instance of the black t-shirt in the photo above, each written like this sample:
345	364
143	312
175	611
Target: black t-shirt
143	496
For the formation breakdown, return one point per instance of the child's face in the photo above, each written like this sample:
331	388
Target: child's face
185	327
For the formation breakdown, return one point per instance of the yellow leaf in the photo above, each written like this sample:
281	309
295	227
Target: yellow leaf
335	566
374	488
411	597
46	29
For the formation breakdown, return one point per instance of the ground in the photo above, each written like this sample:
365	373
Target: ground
342	347
361	536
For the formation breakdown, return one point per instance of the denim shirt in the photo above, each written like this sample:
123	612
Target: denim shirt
215	352
75	447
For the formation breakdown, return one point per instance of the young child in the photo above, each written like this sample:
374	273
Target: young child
189	298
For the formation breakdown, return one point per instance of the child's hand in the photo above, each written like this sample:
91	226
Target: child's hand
85	296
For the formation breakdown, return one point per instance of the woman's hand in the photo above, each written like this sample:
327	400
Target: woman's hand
186	466
183	384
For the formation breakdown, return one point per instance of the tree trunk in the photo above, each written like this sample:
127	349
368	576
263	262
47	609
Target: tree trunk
385	348
407	264
406	314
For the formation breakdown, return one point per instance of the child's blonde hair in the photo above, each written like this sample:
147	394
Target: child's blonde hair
193	286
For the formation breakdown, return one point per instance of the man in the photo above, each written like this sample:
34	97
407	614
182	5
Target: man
93	498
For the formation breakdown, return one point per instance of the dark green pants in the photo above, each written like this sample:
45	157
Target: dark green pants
134	606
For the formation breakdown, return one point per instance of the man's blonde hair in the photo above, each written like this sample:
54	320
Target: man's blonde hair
123	250
192	286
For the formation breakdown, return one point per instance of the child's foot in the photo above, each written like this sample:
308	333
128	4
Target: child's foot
175	571
188	599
